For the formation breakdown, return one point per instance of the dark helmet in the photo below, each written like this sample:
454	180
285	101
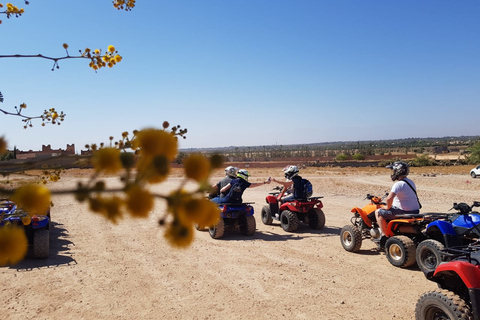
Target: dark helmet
399	168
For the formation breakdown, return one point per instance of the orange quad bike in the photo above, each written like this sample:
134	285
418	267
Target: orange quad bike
401	236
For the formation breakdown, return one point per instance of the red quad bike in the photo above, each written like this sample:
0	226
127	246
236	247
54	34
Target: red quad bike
402	234
292	212
458	295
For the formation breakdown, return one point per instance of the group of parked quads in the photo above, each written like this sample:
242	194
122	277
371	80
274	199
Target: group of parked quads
445	246
37	227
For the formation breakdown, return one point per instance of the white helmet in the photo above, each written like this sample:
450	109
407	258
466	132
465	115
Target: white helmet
231	171
243	174
290	172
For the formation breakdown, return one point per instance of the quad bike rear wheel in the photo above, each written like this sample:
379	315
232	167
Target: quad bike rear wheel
400	251
429	255
442	304
316	219
247	225
267	215
289	221
351	238
217	231
41	243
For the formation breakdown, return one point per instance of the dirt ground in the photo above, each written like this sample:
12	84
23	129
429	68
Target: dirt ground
98	270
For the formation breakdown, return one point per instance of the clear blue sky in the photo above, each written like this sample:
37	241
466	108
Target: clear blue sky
247	72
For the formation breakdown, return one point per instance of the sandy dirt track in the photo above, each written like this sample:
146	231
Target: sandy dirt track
98	270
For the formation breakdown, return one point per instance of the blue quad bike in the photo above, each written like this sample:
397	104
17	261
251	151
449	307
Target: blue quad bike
37	230
234	216
451	230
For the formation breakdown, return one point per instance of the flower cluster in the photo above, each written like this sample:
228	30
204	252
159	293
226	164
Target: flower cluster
99	60
153	151
12	11
122	4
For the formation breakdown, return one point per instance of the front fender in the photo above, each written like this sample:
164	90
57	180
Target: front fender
363	214
469	273
271	199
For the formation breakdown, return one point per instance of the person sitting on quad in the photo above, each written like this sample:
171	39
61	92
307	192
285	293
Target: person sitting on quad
230	173
235	188
402	198
293	185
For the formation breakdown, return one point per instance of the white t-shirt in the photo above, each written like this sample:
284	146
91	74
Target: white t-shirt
405	198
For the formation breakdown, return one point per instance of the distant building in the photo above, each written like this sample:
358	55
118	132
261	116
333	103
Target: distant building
46	152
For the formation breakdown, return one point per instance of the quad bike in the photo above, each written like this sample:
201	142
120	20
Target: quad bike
454	229
37	228
458	295
232	216
401	235
292	212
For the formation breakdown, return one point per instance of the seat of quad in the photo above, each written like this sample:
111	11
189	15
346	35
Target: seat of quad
408	216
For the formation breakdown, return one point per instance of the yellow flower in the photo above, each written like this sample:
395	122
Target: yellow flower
118	58
197	167
33	198
202	212
107	159
112	208
179	235
65	46
111	49
108	207
23	106
139	202
154	142
13	245
26	220
3	145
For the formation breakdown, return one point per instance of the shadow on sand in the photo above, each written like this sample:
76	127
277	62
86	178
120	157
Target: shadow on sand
59	252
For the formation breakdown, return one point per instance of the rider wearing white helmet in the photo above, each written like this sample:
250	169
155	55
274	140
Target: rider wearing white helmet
230	173
402	198
293	183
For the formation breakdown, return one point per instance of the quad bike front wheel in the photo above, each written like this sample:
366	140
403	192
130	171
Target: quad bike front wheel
316	219
289	221
351	238
442	304
429	255
400	251
247	225
267	215
217	231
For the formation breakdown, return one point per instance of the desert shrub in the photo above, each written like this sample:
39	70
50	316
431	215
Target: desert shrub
474	154
423	160
341	157
358	156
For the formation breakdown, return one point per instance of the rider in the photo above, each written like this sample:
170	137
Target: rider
402	198
293	185
235	188
230	173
